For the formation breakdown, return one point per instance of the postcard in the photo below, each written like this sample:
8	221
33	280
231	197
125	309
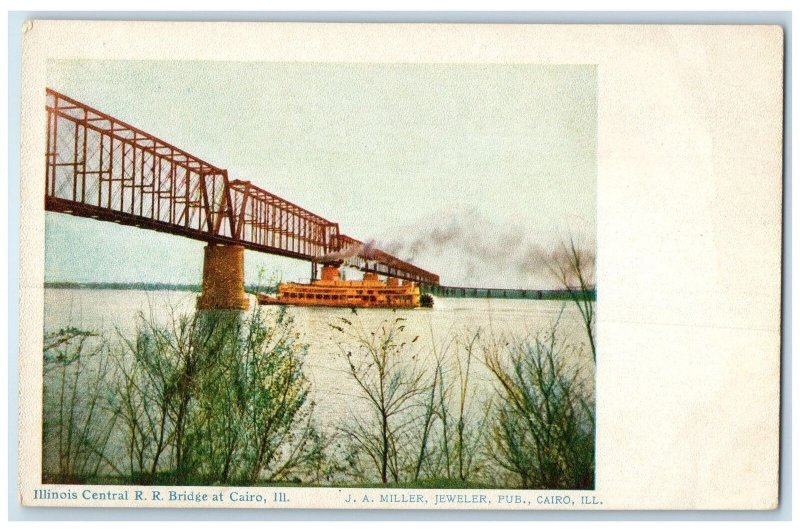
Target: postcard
392	266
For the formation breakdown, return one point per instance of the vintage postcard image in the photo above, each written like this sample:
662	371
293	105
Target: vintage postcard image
384	266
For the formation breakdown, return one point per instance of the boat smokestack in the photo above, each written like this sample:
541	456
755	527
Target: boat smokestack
330	273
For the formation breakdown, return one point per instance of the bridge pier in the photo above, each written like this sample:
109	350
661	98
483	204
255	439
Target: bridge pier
223	278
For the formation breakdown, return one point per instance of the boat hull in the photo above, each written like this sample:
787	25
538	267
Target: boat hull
264	299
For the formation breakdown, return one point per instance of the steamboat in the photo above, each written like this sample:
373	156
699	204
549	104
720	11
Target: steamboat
331	290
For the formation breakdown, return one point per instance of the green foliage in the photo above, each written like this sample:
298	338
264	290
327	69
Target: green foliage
420	422
77	425
220	397
573	267
229	397
212	398
543	430
390	383
417	420
463	420
453	420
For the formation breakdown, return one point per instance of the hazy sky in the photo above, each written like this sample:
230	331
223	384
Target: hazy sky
487	161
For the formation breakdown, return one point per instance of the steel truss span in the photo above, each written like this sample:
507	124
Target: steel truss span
103	168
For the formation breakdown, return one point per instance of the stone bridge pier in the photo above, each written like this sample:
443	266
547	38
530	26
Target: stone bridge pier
223	278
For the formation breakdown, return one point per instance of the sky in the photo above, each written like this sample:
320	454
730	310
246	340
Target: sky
468	170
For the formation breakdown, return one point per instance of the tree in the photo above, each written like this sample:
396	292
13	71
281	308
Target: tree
573	267
216	397
390	383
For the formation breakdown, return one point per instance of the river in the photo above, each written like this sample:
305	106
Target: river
113	312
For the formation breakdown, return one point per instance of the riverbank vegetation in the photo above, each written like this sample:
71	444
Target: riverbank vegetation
223	398
212	398
220	398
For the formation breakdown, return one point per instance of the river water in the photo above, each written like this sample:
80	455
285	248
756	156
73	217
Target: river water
114	312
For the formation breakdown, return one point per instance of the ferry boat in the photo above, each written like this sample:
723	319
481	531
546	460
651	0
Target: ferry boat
333	291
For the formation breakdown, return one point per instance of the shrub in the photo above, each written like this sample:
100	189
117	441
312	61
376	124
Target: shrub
213	397
77	425
543	430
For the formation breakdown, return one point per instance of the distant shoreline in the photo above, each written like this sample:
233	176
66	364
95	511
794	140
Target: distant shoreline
149	287
444	291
